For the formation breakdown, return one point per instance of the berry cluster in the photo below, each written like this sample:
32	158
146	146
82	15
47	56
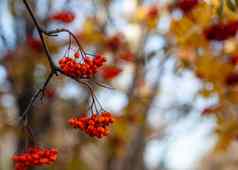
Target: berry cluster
63	16
114	42
34	157
94	126
127	56
233	59
221	31
49	93
232	79
186	5
152	12
110	72
34	43
86	69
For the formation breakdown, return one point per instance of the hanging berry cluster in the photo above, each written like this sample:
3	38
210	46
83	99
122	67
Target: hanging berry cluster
94	126
34	43
83	69
110	72
152	12
34	157
114	42
232	78
186	5
63	16
221	31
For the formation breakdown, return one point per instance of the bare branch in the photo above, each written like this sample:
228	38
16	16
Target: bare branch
34	97
41	32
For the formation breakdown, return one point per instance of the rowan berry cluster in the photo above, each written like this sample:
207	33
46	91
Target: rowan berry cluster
186	5
34	43
221	31
127	56
34	157
94	126
233	59
110	72
114	42
63	16
152	12
232	79
85	69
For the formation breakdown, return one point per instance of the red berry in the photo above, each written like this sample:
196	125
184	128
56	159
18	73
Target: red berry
77	55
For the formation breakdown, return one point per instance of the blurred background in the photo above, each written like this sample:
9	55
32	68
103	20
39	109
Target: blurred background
174	110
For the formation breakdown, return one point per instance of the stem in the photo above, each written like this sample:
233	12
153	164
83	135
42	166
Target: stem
35	96
41	32
53	32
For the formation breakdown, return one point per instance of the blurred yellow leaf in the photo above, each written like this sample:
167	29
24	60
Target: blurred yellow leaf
226	131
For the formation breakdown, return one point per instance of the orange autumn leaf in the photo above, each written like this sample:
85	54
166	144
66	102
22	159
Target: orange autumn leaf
226	131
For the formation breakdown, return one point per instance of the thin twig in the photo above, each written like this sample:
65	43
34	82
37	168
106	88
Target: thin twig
101	84
41	32
56	31
35	96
